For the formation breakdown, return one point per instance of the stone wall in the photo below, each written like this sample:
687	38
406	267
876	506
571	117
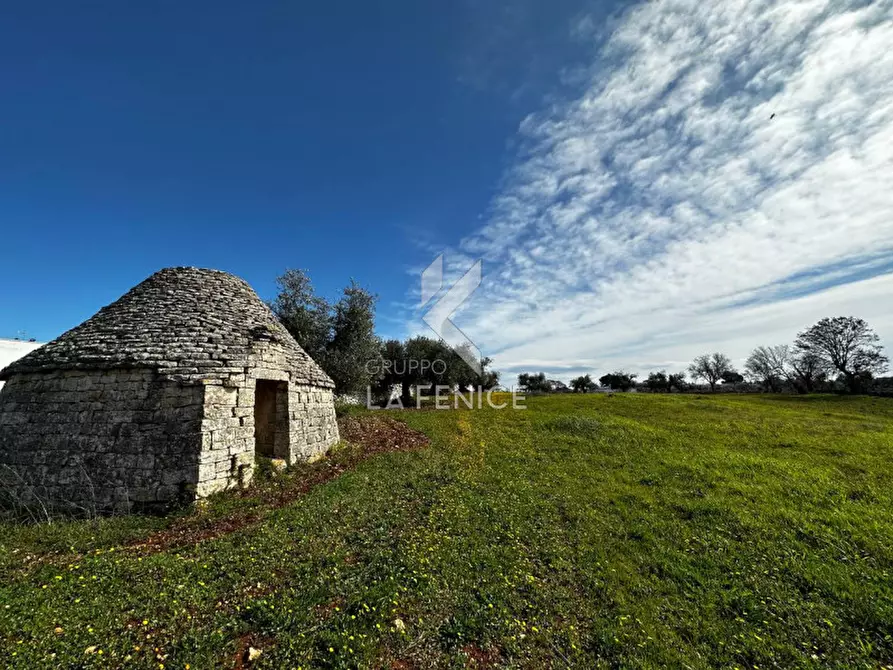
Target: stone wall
113	439
312	427
93	441
306	431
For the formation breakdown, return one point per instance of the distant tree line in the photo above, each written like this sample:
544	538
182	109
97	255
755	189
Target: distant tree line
537	383
840	353
836	354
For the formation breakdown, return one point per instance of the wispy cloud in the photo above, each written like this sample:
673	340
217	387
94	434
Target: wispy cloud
724	165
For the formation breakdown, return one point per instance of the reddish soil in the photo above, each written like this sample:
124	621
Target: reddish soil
480	658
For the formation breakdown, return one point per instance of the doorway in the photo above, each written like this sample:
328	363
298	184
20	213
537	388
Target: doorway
271	419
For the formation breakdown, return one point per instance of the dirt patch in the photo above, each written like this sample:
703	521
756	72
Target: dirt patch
402	664
379	434
365	436
249	649
481	658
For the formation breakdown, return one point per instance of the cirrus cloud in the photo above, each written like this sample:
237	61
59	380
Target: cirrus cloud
723	179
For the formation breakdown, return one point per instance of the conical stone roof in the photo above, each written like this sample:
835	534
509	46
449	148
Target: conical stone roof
183	322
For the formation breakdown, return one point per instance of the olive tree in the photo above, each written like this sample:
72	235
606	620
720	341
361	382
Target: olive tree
534	382
582	384
303	313
353	343
340	338
618	380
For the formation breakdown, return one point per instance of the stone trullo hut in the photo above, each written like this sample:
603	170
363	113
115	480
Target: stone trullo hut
166	395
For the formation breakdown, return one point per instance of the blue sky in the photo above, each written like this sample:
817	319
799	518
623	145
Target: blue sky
615	166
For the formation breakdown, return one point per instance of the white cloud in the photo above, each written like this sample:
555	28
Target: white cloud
13	350
734	331
666	192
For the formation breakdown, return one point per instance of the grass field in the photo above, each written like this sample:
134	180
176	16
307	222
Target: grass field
587	531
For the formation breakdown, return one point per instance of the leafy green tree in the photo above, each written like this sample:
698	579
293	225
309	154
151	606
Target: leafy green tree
353	343
490	378
340	337
846	344
392	351
424	361
470	379
304	314
534	383
618	380
676	381
657	382
395	370
582	384
732	377
463	375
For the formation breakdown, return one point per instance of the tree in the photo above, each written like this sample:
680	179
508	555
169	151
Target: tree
618	380
490	379
486	380
391	371
305	315
340	337
462	375
353	343
807	371
401	365
557	386
769	366
424	361
676	381
732	377
710	368
846	344
657	382
582	384
661	382
534	383
883	386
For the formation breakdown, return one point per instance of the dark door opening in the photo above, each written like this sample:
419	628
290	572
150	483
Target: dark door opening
271	419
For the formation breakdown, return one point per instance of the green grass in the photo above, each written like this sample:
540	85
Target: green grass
587	531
